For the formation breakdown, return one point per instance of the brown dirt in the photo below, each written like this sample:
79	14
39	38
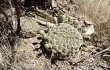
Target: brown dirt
29	53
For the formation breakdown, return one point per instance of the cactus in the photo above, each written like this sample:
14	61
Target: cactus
62	38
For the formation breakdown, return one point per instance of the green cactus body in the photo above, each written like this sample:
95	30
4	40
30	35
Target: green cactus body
65	37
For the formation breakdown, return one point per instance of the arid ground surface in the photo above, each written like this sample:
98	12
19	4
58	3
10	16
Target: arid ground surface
22	48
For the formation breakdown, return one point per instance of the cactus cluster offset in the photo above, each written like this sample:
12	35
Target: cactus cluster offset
63	38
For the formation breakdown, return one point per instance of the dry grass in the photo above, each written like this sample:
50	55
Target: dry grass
96	10
99	12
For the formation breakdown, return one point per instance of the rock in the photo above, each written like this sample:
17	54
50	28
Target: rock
29	26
